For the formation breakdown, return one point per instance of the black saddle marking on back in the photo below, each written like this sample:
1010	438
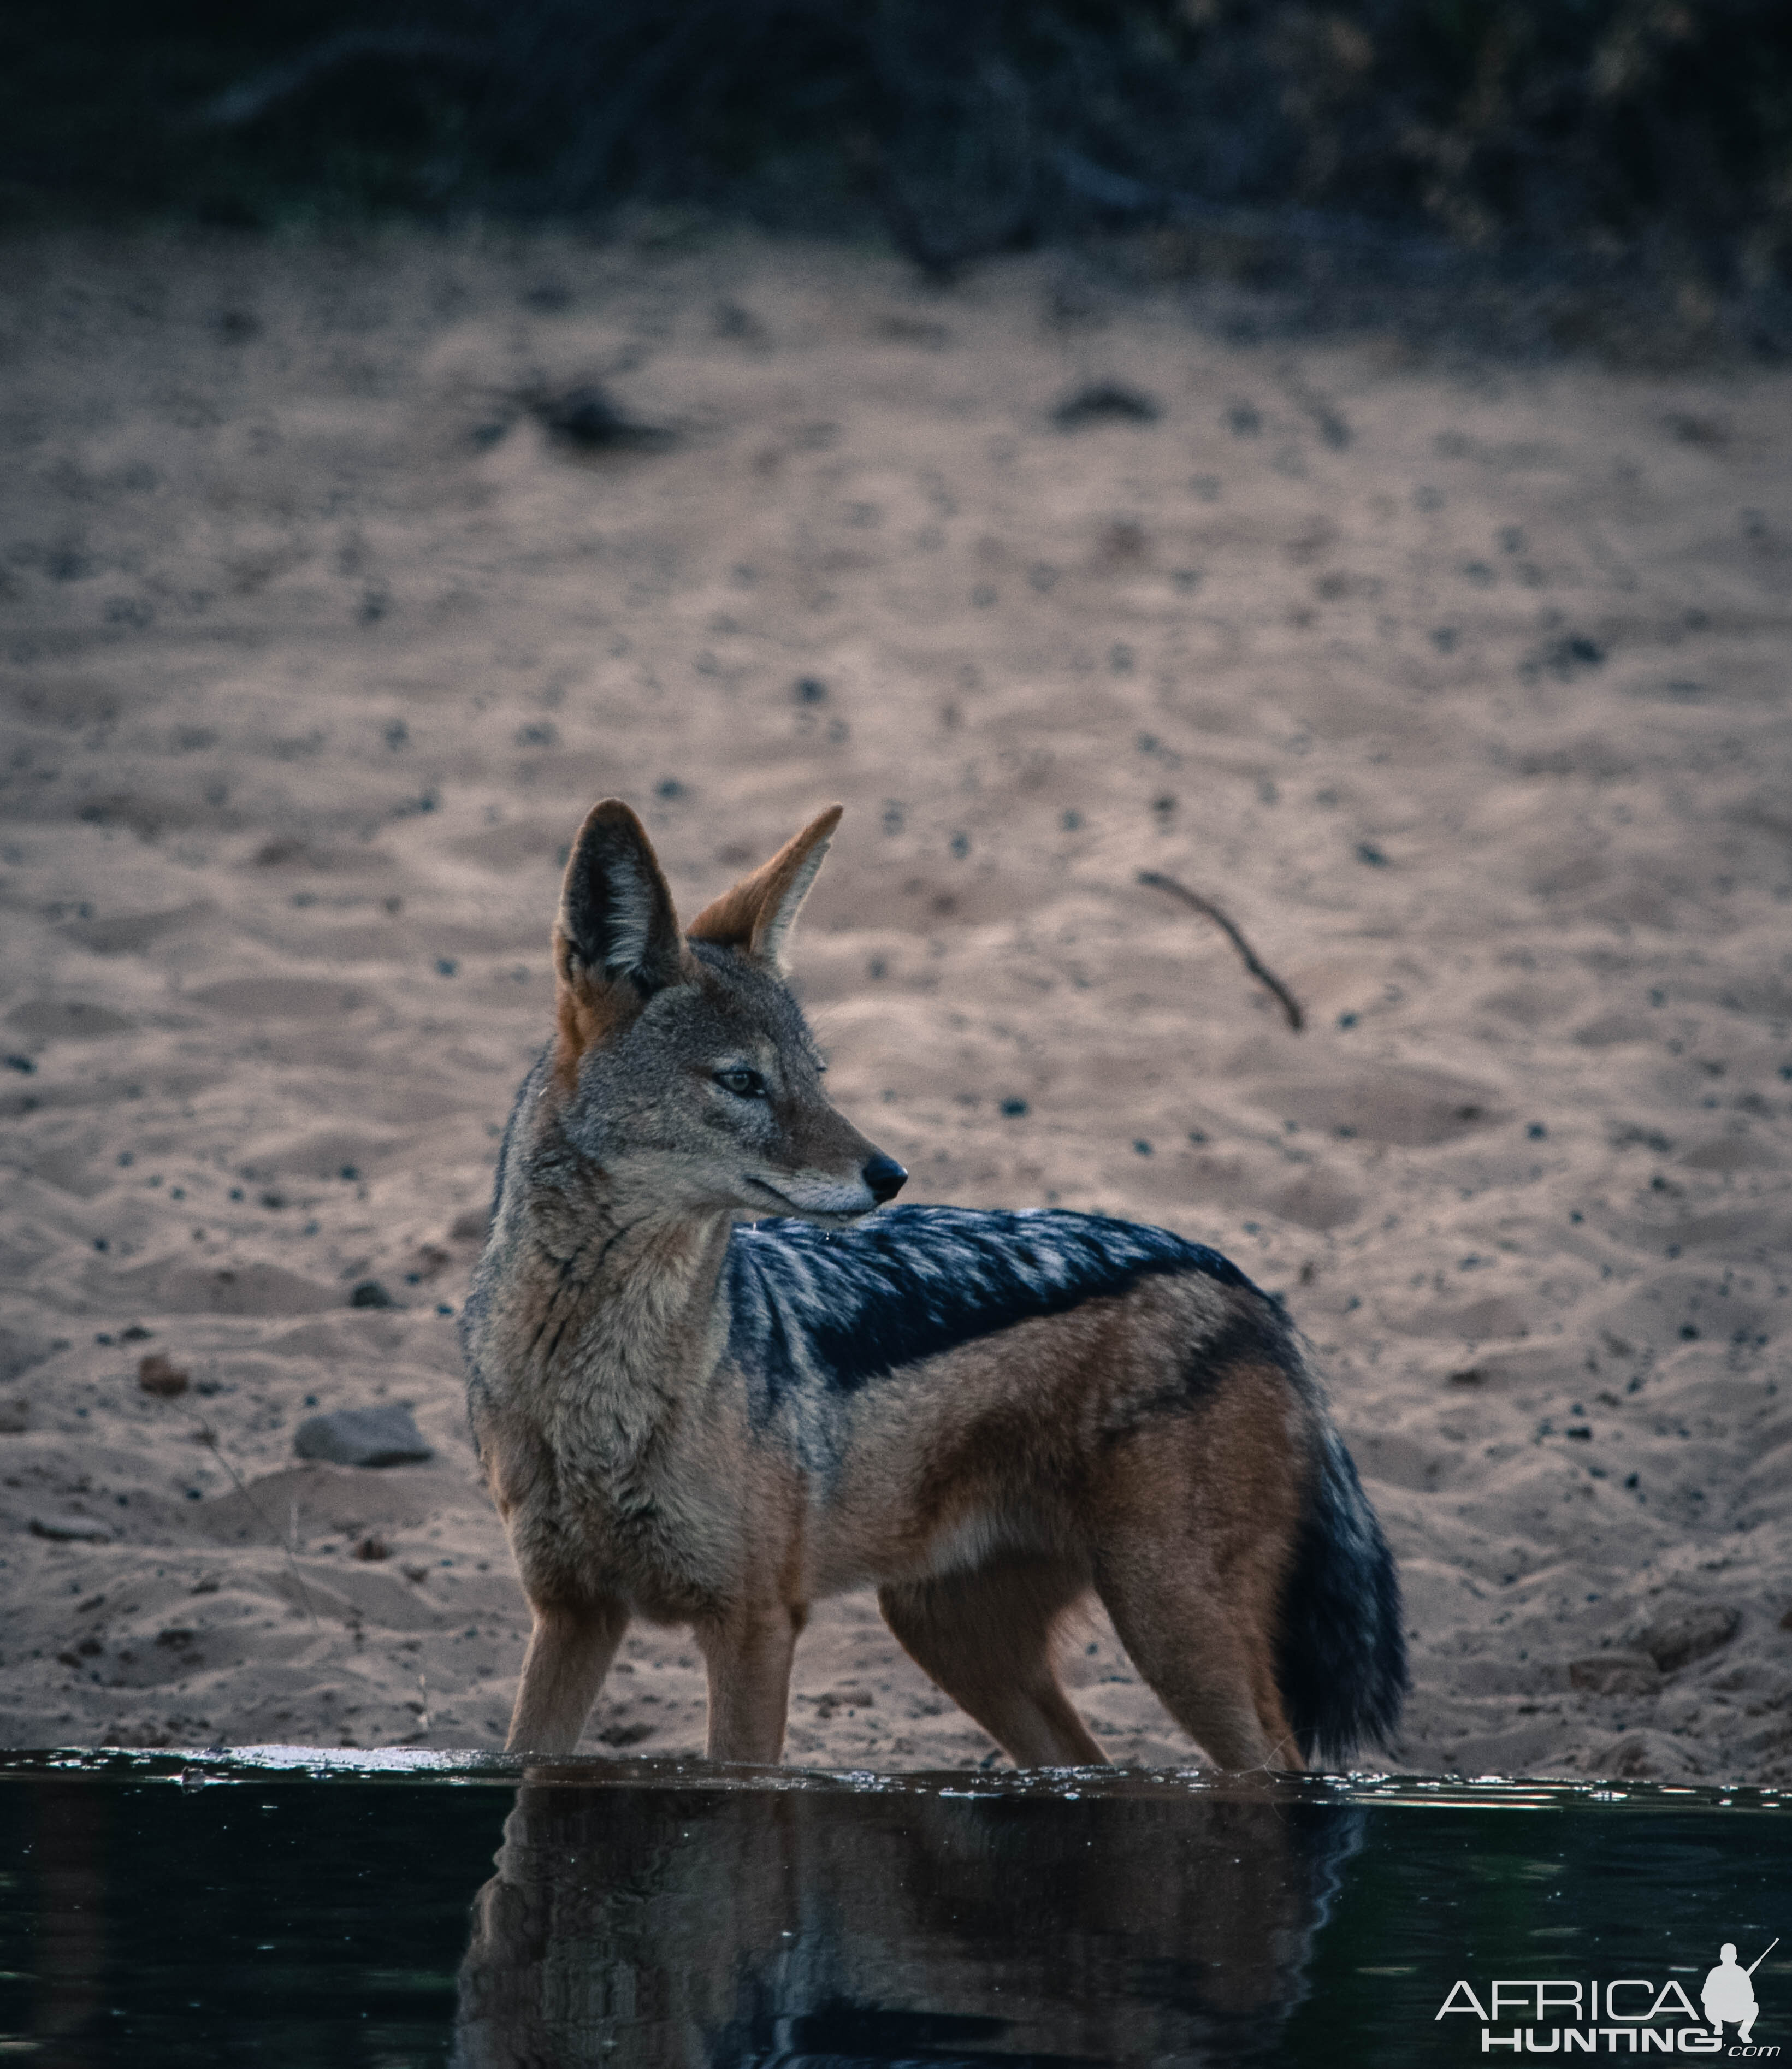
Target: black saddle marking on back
844	1307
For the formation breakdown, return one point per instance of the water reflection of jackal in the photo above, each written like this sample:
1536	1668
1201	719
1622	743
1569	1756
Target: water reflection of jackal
656	1927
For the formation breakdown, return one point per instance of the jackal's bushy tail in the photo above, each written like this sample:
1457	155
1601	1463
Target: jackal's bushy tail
1342	1662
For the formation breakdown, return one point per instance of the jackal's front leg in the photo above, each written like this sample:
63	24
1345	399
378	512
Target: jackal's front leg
569	1651
748	1653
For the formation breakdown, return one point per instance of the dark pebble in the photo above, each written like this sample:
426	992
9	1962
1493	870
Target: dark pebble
585	417
1106	402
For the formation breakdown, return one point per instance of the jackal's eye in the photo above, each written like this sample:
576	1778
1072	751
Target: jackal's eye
743	1083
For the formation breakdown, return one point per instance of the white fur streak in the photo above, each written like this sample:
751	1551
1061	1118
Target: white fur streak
780	923
827	1196
630	918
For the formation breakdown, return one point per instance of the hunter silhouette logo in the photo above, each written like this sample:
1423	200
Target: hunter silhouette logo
1729	1992
1629	2015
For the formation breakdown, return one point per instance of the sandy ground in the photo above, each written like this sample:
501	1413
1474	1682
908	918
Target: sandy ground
1462	687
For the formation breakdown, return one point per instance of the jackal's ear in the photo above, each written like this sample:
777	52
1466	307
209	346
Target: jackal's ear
757	915
615	939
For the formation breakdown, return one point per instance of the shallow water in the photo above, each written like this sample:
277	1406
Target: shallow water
371	1912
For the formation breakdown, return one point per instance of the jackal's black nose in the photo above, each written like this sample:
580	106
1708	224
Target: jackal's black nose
885	1177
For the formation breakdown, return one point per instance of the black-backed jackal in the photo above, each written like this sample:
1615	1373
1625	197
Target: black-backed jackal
710	1384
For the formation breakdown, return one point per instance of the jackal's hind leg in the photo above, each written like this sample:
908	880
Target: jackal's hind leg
1193	1527
569	1651
986	1638
1201	1632
1214	1678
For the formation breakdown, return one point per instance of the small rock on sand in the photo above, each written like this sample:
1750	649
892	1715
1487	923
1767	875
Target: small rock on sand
155	1374
71	1529
1677	1637
1615	1673
384	1436
1110	401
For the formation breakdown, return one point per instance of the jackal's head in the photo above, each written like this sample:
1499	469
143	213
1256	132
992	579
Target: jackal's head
687	1071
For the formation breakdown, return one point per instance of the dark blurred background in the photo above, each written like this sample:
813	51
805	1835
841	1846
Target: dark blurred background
1645	138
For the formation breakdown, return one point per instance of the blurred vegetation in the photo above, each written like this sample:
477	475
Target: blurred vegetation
1656	133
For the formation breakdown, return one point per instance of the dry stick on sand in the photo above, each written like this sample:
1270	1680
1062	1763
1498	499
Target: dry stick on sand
208	1436
1291	1005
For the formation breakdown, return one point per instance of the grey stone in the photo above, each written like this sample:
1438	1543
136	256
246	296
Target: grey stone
71	1529
1676	1637
1615	1674
383	1436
